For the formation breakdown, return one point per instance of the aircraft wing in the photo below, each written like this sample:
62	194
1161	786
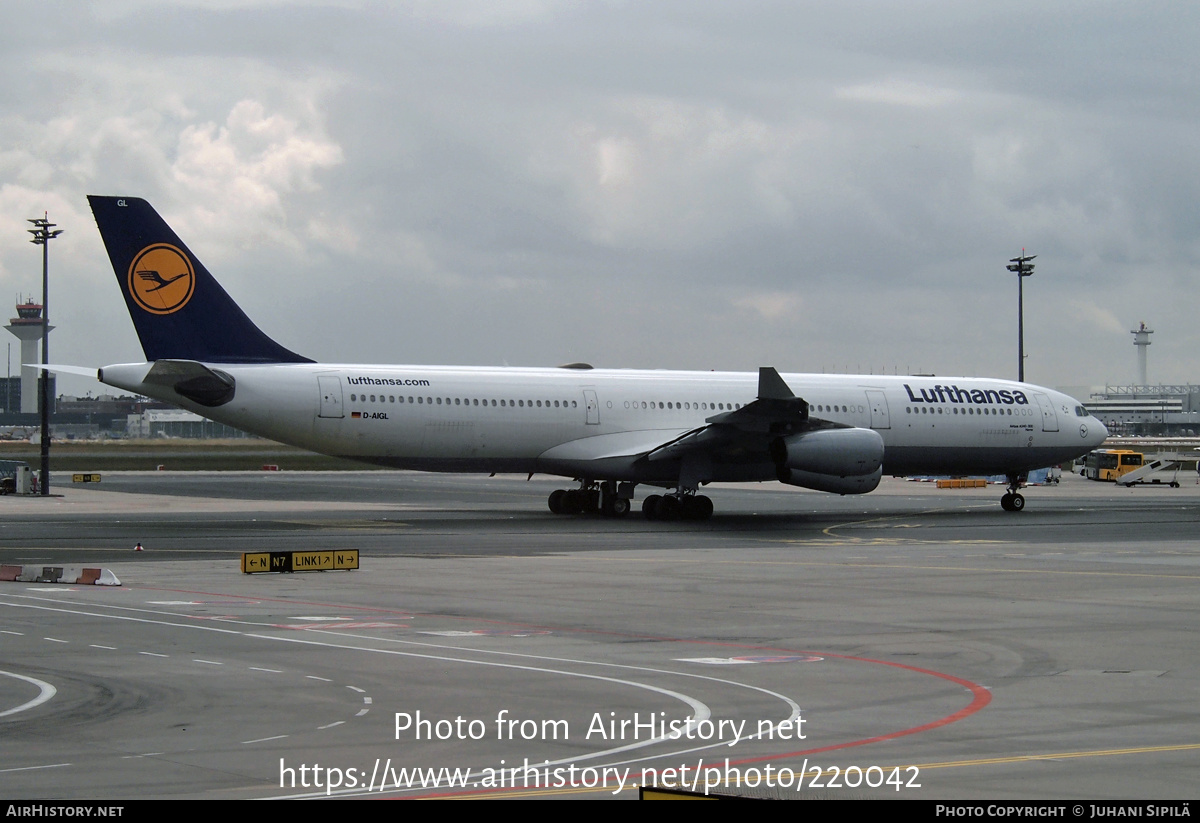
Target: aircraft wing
776	413
626	446
744	434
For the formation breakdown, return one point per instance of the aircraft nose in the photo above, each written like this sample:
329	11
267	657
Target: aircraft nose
1097	432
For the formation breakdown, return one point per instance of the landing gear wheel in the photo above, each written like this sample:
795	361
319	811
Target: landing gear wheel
669	508
620	506
572	502
699	507
556	501
589	501
1012	502
650	506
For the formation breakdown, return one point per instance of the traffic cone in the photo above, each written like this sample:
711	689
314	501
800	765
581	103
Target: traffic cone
138	548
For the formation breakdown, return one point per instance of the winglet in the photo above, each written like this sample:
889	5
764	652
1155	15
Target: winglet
771	386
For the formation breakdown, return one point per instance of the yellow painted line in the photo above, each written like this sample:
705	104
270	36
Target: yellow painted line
861	523
945	764
828	531
1027	758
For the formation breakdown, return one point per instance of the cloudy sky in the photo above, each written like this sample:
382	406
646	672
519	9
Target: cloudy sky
815	186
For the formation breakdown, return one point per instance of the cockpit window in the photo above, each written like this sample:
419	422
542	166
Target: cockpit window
1080	411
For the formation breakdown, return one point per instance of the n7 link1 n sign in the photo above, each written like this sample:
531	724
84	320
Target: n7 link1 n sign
318	561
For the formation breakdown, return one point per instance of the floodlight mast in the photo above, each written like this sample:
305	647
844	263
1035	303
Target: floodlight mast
43	232
1023	267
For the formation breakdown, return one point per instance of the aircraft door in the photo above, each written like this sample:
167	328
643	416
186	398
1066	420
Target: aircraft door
593	407
1049	418
879	409
330	387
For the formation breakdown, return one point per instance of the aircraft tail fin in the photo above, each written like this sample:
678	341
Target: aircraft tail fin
178	308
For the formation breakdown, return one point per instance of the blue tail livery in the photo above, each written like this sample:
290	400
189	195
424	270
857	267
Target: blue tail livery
179	310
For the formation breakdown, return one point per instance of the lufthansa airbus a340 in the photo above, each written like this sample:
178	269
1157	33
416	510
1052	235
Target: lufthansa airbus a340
610	430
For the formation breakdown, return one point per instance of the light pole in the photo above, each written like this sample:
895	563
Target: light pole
43	232
1023	269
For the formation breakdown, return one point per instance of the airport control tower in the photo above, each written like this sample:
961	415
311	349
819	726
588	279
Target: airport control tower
1141	339
27	326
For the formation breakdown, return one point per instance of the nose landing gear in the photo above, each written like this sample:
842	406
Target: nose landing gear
1013	500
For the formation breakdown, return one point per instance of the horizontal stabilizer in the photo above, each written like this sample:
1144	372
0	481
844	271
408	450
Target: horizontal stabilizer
84	371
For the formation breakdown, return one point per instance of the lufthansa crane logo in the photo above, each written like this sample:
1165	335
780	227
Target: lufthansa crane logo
161	279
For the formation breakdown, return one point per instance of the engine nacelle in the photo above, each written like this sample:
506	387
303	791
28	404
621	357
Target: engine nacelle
851	484
841	461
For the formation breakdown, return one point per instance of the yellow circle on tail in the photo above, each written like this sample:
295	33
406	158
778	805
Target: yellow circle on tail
161	279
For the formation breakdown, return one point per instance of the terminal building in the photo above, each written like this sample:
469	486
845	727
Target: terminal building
172	422
82	418
1167	410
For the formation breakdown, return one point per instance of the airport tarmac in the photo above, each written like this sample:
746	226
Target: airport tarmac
922	642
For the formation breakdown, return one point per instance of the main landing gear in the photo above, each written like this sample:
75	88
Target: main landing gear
612	499
685	505
1013	500
593	497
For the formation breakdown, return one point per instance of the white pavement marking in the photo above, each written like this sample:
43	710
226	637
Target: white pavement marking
320	618
700	711
45	692
78	610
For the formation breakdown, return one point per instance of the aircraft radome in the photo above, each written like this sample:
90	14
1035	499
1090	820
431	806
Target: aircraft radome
609	429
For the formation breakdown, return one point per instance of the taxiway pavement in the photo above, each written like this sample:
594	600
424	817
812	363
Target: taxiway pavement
923	636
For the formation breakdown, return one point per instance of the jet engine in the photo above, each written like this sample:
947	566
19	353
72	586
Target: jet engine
842	461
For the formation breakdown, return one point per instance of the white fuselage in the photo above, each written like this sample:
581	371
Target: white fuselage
597	423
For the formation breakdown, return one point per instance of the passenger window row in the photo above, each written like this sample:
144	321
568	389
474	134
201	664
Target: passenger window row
1023	412
462	401
685	406
845	409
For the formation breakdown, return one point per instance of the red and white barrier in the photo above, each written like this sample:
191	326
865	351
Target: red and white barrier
58	574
